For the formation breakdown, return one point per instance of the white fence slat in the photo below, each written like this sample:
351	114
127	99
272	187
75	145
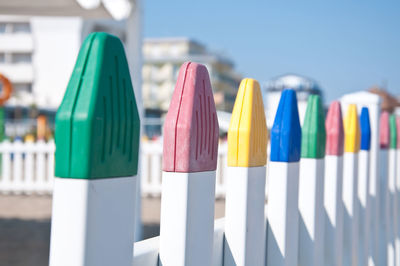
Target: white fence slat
364	207
40	176
244	216
6	184
350	221
311	210
333	254
282	214
17	167
390	210
187	218
29	167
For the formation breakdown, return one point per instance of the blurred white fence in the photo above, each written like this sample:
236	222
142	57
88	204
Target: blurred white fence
28	167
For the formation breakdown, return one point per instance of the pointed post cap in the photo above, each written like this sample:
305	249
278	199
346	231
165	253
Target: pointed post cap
334	130
247	134
97	124
393	131
191	128
286	130
384	130
313	133
365	129
351	130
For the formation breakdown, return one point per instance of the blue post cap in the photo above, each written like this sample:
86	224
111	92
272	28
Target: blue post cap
365	129
286	131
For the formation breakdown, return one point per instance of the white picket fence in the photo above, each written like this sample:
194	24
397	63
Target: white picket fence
28	167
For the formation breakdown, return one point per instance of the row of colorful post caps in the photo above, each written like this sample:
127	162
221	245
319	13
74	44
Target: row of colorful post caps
98	127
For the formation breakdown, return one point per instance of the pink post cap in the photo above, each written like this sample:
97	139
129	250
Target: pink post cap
334	130
191	127
384	129
398	131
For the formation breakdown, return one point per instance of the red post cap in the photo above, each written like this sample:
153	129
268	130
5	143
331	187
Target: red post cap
191	127
384	135
334	130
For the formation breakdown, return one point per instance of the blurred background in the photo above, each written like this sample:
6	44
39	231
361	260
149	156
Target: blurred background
325	48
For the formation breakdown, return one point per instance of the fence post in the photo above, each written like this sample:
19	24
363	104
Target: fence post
283	184
373	102
189	162
384	140
397	194
97	139
391	211
245	182
364	205
311	185
333	184
349	195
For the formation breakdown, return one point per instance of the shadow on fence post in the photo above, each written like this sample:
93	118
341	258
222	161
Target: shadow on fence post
283	184
97	139
189	163
245	182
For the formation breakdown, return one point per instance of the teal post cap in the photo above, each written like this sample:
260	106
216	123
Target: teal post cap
313	131
97	124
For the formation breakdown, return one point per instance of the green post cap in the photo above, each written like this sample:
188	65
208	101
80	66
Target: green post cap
393	132
313	131
97	124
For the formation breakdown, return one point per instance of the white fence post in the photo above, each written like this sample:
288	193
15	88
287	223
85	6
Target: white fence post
364	204
391	209
397	196
373	102
97	133
283	175
333	252
189	163
311	185
245	182
384	139
349	196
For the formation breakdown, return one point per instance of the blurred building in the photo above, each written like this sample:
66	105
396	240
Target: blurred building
38	54
162	59
303	87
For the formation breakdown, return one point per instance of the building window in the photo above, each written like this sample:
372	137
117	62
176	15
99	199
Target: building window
23	87
3	28
2	58
21	27
22	58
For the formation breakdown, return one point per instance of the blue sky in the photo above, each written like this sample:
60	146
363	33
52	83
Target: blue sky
344	45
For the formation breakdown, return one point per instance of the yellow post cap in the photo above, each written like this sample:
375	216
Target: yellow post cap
247	134
352	130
